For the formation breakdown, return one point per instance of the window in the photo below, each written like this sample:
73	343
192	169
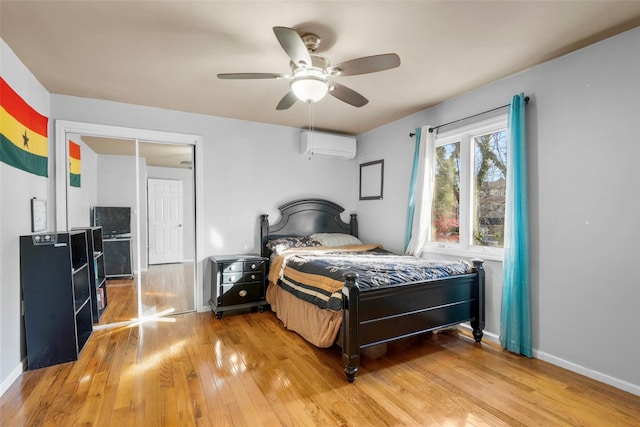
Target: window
467	214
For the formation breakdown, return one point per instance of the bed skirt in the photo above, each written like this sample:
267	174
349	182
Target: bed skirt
318	326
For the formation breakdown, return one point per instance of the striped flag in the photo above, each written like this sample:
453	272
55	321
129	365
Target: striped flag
24	132
74	164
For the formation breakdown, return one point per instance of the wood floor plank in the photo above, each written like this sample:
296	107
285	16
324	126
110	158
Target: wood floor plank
247	370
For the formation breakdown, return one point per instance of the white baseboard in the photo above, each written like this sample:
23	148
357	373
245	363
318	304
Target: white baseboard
12	377
570	366
590	373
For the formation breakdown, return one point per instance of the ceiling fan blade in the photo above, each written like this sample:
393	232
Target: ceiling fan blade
293	45
368	64
347	95
251	76
287	101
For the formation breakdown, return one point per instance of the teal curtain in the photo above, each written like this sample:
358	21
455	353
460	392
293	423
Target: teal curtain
515	317
412	191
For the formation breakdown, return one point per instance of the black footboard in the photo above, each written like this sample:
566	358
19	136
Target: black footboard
376	316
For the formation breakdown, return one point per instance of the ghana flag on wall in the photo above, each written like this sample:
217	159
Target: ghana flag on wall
24	132
74	164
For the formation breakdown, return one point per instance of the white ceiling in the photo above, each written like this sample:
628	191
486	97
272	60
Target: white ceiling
167	54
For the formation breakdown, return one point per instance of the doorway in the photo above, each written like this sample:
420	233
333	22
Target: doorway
153	291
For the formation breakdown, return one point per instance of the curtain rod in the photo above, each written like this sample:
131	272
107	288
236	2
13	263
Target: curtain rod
526	101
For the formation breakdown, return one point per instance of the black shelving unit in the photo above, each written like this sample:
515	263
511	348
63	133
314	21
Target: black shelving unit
56	289
118	260
97	276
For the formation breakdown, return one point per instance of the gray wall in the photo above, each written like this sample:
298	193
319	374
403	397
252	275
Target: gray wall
583	138
16	189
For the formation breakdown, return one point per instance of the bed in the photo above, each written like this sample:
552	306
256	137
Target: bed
366	315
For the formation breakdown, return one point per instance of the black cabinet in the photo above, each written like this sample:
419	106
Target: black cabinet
237	281
97	275
116	225
117	257
54	269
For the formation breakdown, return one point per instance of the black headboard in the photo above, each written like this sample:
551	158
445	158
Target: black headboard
305	217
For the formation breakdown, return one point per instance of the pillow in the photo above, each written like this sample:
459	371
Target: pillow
283	243
336	239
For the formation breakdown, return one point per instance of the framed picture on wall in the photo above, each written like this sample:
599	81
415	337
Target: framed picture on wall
371	180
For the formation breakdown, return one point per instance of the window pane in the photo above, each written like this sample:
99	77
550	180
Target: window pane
489	193
446	196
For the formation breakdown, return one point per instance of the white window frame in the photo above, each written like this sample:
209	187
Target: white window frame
464	135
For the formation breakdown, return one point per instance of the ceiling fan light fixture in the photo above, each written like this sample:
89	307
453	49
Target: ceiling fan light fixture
309	88
312	75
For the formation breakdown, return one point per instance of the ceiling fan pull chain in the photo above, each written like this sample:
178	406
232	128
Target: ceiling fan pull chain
311	118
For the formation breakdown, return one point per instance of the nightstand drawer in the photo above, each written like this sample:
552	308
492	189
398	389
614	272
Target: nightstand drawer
253	265
241	293
230	267
231	278
255	276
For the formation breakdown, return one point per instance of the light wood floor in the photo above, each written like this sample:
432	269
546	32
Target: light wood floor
165	288
246	370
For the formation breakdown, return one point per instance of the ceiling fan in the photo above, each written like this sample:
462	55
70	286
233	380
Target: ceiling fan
312	75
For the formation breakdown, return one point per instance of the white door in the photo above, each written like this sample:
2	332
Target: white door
165	213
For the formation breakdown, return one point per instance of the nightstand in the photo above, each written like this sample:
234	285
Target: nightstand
237	281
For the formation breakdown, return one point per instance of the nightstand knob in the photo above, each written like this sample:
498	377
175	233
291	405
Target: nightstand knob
242	293
253	277
253	266
232	267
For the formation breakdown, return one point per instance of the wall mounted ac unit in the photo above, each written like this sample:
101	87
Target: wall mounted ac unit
328	145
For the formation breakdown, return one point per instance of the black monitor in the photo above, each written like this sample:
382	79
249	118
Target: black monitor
115	221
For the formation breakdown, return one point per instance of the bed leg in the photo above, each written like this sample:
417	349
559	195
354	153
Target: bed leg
350	372
350	346
478	323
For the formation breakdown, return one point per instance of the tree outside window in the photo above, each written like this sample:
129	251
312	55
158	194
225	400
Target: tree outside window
445	212
490	183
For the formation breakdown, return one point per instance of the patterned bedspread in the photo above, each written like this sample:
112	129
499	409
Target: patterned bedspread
317	274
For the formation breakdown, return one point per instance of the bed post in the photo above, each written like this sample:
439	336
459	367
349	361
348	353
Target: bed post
478	323
354	225
264	232
350	346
